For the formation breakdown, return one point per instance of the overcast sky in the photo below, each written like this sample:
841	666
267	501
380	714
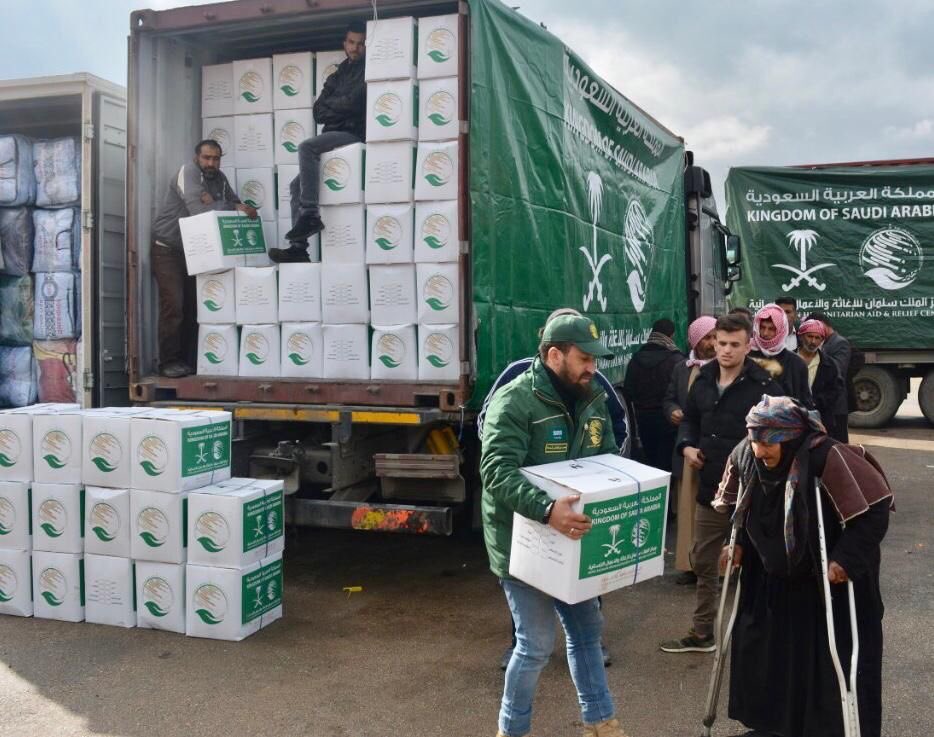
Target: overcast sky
767	82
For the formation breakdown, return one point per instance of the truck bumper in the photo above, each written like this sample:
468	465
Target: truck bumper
346	515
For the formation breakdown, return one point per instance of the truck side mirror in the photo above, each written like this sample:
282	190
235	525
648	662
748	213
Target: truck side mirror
734	273
733	252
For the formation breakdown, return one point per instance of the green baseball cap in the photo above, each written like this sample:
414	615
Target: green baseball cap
576	329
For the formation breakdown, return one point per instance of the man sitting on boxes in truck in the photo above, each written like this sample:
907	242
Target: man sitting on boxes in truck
554	411
341	107
198	186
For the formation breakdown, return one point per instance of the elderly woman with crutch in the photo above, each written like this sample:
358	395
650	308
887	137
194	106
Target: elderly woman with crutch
809	515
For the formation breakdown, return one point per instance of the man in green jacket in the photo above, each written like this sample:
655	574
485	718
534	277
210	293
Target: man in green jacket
554	411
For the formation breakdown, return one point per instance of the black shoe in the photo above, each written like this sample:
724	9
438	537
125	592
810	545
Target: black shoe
504	661
686	578
306	225
176	370
607	658
291	255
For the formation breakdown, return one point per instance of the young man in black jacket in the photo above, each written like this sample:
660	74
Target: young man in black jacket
714	422
341	107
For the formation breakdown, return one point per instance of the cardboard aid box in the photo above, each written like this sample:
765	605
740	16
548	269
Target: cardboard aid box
259	350
222	131
216	303
291	127
217	90
389	234
326	63
302	351
343	240
389	172
180	450
438	353
58	586
56	437
15	515
394	352
437	46
392	111
254	141
300	292
107	521
217	241
270	237
108	591
106	457
158	529
257	294
390	48
436	232
344	297
438	109
342	175
160	596
16	582
16	439
392	294
253	81
438	291
285	173
436	171
218	350
256	188
346	352
295	80
233	603
627	503
58	517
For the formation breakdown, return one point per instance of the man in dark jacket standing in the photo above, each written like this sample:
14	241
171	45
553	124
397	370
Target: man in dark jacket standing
714	422
647	377
823	375
341	107
769	332
838	348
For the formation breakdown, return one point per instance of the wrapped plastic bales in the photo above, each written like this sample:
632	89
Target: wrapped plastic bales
16	240
56	316
17	377
57	240
17	310
17	179
57	164
57	367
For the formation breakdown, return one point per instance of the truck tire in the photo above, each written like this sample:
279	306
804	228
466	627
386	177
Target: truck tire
878	397
926	396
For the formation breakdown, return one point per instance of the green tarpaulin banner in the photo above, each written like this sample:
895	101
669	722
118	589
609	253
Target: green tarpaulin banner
576	199
854	242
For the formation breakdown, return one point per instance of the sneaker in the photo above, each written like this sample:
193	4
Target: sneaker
692	643
176	370
305	225
504	661
686	578
291	255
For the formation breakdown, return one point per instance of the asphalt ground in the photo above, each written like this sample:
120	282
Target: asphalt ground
416	651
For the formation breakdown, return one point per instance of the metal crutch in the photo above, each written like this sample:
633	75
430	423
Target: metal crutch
722	639
847	695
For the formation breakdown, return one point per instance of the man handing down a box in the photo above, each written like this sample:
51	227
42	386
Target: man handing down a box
555	411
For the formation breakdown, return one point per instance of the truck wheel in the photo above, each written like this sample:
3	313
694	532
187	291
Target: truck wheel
926	396
878	397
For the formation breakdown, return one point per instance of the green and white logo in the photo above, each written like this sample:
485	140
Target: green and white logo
336	174
8	584
438	350
210	603
390	349
10	448
440	45
106	452
222	136
640	533
158	598
291	80
256	348
52	518
388	109
213	295
252	88
254	194
55	449
152	455
240	236
437	168
626	531
214	348
299	349
387	232
153	527
435	231
891	257
441	108
104	522
640	248
438	292
7	516
292	134
212	532
53	586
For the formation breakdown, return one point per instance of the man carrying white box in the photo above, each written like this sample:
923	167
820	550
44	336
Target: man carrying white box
555	411
341	107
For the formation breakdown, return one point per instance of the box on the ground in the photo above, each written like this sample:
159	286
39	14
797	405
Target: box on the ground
16	440
392	294
256	188
291	127
216	304
438	109
300	292
285	173
254	141
437	46
217	241
341	177
180	450
302	350
15	515
56	437
346	352
389	172
438	353
107	455
436	171
394	353
438	294
158	529
58	586
58	517
259	350
344	297
217	90
390	48
16	582
295	80
107	521
254	86
218	350
160	596
389	234
233	603
257	295
343	240
436	232
627	504
109	591
392	111
222	130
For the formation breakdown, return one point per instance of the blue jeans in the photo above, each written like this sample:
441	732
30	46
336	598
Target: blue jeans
304	188
534	615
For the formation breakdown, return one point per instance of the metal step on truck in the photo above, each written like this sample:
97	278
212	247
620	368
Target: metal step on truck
562	193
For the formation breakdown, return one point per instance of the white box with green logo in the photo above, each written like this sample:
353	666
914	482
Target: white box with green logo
253	86
394	353
343	240
290	128
58	517
56	438
438	294
300	292
58	586
285	173
233	528
390	48
342	175
233	603
16	582
389	234
436	232
217	241
180	450
257	295
392	110
295	80
390	171
627	503
160	596
438	353
256	186
17	461
436	171
222	131
216	304
392	294
109	591
158	526
326	63
107	458
259	350
218	350
107	521
255	142
271	237
15	516
438	109
437	46
346	352
302	348
217	90
344	295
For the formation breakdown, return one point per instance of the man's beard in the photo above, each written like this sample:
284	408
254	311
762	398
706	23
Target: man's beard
581	391
209	173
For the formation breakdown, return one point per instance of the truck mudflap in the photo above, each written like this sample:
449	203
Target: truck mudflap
367	516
